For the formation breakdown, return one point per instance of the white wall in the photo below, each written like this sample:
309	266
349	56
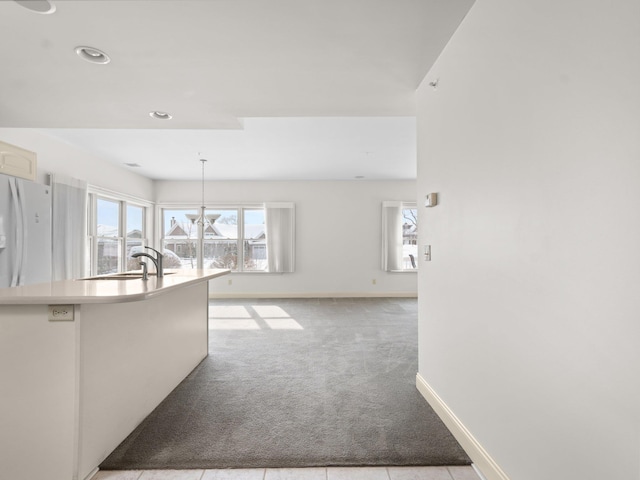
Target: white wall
338	235
530	309
338	223
56	156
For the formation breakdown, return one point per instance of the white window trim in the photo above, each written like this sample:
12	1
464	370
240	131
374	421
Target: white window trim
95	192
213	206
387	240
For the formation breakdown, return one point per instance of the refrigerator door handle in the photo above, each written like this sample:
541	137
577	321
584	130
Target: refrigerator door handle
19	211
3	235
22	194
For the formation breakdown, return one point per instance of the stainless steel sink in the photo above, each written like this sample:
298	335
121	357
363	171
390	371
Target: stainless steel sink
123	276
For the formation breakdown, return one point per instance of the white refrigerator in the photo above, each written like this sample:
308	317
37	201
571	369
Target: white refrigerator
25	232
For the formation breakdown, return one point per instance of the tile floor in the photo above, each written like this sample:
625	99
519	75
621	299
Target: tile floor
329	473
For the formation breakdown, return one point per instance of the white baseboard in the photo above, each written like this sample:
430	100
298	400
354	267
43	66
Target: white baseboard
93	472
219	294
479	456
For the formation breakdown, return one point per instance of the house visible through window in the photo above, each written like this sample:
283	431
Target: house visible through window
134	234
235	240
108	238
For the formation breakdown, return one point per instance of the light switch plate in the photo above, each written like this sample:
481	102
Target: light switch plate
61	313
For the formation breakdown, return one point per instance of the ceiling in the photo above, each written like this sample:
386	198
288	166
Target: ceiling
263	89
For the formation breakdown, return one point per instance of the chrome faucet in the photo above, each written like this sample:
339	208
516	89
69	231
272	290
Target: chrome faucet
157	261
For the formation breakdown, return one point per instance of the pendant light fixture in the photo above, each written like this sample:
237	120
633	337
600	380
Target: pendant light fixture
202	220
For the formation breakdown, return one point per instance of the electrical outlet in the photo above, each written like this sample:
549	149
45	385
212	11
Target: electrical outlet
230	282
61	313
373	281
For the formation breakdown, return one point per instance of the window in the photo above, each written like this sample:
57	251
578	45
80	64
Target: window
134	239
409	236
179	236
108	246
117	227
236	239
399	236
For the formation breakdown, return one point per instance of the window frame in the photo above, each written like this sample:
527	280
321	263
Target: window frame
390	244
123	201
411	206
239	207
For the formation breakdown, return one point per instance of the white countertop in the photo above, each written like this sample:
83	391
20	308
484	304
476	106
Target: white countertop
104	291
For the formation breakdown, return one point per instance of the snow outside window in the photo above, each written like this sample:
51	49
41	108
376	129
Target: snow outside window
399	236
234	238
117	228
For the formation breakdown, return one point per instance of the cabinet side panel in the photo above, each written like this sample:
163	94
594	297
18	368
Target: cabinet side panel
37	399
132	356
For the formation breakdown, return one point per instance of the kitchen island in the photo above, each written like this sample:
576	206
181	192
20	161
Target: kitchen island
83	362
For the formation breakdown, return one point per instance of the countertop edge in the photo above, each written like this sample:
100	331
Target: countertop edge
113	291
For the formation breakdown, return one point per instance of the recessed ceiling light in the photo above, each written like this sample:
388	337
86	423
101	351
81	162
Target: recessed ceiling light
160	115
93	55
38	6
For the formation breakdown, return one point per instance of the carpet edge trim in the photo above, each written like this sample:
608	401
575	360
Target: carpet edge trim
482	460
